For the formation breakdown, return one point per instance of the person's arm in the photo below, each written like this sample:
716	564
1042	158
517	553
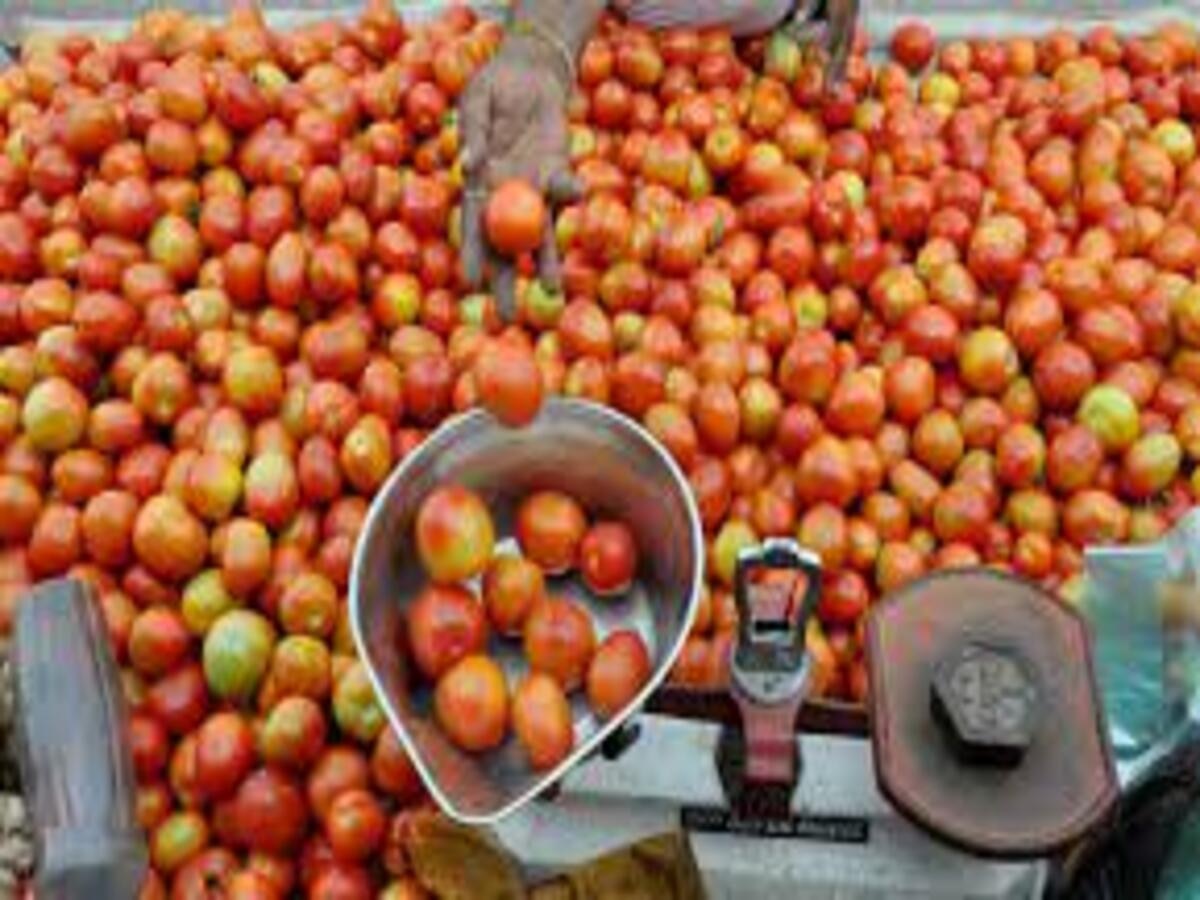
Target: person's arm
513	119
828	23
513	114
569	21
831	24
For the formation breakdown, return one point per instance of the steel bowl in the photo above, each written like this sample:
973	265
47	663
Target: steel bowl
615	469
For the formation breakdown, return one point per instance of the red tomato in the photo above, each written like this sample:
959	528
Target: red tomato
515	218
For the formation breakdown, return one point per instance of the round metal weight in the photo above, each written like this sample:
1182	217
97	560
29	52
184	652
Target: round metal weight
986	721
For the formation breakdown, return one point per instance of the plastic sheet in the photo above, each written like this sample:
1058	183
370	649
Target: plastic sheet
1143	604
111	18
955	19
1129	646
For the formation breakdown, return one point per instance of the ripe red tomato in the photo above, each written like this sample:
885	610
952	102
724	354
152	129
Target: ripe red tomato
179	700
225	753
341	882
913	45
541	719
149	747
509	383
210	868
392	770
445	624
339	768
608	558
355	825
471	704
512	587
515	218
619	670
270	813
559	641
550	527
454	534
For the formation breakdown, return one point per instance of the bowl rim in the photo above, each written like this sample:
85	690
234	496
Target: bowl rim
434	442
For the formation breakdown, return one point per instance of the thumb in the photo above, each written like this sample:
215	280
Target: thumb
473	252
475	120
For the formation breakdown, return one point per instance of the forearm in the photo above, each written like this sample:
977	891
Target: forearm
571	21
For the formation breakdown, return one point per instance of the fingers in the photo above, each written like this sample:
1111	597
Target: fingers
511	129
562	187
808	33
549	269
475	121
843	17
473	247
504	287
829	25
477	256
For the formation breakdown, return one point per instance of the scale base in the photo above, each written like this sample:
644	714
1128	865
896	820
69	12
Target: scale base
852	844
765	801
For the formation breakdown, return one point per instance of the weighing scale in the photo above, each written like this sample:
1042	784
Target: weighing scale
1021	748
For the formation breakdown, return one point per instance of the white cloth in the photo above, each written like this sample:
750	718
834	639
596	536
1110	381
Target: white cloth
743	17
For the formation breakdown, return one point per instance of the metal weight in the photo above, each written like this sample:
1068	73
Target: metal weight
985	696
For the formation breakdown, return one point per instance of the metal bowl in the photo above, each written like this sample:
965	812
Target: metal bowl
615	469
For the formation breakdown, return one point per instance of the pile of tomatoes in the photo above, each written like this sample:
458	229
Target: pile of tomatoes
475	591
939	315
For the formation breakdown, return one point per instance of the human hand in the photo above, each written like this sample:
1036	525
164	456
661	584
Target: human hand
825	23
514	125
829	24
